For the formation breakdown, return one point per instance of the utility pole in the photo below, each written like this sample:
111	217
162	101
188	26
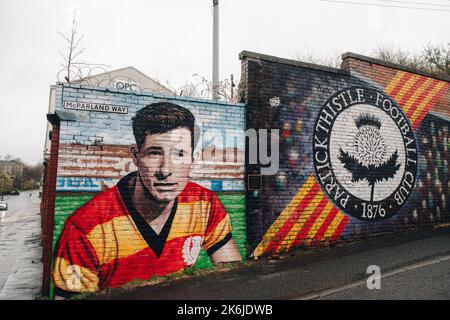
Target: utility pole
215	66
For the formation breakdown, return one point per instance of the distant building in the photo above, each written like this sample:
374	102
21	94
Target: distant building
128	79
13	169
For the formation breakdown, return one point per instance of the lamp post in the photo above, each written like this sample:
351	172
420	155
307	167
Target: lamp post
215	66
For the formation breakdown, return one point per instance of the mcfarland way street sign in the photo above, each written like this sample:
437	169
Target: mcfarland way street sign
99	107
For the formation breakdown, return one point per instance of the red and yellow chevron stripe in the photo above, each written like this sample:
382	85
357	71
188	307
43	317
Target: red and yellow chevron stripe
309	217
415	94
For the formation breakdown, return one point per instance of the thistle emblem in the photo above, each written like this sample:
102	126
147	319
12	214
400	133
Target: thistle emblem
368	163
369	172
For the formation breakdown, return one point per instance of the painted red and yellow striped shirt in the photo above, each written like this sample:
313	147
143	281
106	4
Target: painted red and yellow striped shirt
106	243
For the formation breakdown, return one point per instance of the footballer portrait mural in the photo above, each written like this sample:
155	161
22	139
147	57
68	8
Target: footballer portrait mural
170	199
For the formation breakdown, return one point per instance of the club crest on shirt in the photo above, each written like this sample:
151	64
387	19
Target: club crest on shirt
191	249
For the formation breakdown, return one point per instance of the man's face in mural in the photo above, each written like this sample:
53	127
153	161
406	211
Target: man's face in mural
164	163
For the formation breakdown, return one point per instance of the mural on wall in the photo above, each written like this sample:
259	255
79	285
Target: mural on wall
435	179
358	157
365	154
156	211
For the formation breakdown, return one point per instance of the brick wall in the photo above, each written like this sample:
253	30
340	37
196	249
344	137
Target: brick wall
364	151
47	207
94	151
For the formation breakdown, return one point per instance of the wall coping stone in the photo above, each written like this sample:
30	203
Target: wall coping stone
259	56
253	55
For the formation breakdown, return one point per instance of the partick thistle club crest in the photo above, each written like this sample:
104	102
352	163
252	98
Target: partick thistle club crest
365	153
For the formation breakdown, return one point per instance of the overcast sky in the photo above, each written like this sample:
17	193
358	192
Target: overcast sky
172	40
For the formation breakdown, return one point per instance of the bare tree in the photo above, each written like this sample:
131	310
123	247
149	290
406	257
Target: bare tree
73	68
437	58
434	59
329	61
200	87
403	57
32	172
73	51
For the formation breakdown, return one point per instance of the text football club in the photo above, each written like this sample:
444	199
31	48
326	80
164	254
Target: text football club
365	153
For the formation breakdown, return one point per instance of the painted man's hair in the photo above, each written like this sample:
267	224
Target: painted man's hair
162	117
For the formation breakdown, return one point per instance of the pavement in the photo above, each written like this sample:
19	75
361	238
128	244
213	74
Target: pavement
414	265
20	248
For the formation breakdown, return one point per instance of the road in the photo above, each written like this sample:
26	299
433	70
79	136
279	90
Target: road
415	265
431	282
20	248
